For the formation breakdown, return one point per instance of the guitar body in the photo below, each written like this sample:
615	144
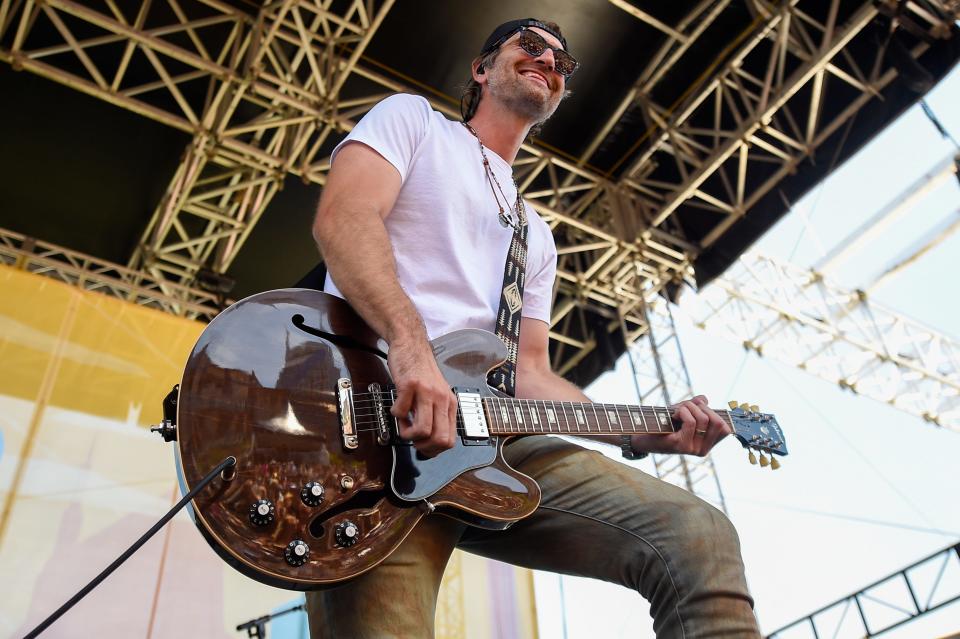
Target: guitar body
264	384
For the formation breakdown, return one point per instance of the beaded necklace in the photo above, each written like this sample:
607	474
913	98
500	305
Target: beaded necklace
519	210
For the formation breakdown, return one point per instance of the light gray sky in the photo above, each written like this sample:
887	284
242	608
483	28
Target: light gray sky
866	489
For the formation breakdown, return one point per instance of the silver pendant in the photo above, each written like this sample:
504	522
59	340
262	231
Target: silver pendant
504	221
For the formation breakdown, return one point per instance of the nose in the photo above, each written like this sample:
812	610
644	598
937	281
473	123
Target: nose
547	58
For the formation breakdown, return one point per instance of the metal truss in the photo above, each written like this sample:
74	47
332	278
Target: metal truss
799	317
726	145
93	274
661	378
261	95
899	598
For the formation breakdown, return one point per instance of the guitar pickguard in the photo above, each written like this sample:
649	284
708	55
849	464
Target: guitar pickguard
416	477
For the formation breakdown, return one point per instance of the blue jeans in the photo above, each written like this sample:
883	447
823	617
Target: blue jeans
599	519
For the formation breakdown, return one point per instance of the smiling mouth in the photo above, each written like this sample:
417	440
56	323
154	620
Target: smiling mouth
536	77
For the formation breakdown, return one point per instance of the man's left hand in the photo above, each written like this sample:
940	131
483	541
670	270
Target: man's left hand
700	430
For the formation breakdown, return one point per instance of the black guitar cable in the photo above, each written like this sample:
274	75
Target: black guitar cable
229	462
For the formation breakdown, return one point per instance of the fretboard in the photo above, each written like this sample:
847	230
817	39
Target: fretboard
528	416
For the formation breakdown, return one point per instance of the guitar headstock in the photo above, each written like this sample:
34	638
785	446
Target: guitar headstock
759	432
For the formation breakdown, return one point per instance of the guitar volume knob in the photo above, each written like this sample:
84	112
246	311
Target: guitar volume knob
312	493
262	512
297	552
346	533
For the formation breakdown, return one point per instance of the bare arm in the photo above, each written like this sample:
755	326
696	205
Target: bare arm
535	380
360	192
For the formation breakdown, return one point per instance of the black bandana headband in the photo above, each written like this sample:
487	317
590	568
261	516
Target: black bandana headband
509	28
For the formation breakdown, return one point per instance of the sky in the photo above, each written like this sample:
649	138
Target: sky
867	489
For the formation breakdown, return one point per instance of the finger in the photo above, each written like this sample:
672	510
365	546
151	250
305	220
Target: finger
422	426
700	418
401	411
682	412
694	426
402	405
439	433
717	430
452	416
687	425
442	436
701	401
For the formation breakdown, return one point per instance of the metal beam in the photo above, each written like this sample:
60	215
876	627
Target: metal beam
893	211
800	317
661	378
897	599
93	274
286	66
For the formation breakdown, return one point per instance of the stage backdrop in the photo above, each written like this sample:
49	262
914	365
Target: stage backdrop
82	376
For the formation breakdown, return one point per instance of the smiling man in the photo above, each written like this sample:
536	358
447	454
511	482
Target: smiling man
417	220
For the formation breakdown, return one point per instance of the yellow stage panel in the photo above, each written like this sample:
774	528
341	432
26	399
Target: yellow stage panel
81	478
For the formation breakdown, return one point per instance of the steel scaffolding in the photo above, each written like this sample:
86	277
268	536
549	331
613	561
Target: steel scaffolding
661	378
261	94
899	598
800	317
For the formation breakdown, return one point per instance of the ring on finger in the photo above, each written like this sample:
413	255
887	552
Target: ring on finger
700	433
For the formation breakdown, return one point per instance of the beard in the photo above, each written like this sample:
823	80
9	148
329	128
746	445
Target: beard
527	99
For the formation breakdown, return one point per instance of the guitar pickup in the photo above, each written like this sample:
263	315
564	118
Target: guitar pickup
470	409
348	426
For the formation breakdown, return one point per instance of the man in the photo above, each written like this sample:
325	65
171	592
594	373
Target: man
415	223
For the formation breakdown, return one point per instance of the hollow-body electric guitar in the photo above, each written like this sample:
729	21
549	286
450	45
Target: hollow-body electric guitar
295	386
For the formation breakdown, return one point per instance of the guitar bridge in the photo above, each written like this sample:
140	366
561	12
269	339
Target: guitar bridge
383	415
348	426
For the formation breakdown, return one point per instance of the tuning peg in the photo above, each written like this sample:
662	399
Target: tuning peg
754	408
774	463
732	404
763	460
745	406
752	458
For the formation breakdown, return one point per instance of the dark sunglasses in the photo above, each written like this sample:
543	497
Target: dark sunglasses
534	44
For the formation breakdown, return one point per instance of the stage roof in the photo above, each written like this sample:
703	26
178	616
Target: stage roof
691	129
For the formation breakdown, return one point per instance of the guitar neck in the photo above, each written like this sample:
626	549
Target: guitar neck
507	416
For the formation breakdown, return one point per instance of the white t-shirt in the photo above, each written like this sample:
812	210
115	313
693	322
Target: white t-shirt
447	239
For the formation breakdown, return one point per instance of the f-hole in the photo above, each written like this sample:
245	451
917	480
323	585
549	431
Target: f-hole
340	340
363	500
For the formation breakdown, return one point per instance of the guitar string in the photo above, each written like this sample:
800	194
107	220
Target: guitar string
387	399
525	403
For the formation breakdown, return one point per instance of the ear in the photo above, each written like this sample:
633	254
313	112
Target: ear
478	71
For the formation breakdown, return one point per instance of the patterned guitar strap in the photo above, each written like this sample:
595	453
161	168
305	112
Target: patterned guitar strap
504	377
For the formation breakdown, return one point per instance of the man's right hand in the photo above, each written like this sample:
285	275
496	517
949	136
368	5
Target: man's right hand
425	408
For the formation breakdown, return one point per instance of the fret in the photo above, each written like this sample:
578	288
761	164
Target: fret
519	413
612	418
488	413
572	419
644	418
636	418
581	418
620	418
534	418
664	423
566	420
607	415
551	414
595	416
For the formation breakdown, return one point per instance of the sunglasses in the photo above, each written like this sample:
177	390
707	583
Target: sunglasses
534	44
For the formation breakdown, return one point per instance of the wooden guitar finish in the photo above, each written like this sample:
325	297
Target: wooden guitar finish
262	385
